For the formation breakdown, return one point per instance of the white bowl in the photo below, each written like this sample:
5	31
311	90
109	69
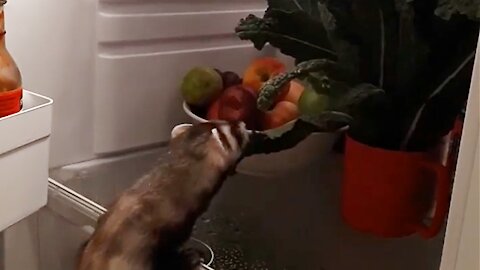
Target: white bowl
314	148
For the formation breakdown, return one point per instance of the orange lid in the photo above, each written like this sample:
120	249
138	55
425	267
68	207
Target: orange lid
10	102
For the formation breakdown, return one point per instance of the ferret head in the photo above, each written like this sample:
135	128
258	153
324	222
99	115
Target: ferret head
220	143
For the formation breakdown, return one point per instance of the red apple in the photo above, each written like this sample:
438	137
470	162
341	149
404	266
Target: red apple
212	113
238	103
230	78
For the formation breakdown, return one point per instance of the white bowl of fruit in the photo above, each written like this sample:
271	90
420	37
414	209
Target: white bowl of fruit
210	94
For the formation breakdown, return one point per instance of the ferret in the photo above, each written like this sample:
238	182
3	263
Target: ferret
147	224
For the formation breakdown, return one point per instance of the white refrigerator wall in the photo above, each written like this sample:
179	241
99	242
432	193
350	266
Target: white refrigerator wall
113	67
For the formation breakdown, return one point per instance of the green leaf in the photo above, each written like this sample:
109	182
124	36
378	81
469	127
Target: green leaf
368	25
469	8
325	84
345	105
307	6
349	101
271	88
263	144
374	119
279	131
400	4
438	91
448	47
294	33
402	46
329	121
326	17
347	53
412	51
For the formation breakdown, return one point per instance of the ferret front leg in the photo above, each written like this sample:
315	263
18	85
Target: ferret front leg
191	259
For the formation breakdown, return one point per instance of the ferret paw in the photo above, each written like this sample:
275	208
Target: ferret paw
191	259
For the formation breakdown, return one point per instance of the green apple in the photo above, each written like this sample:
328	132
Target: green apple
201	85
312	103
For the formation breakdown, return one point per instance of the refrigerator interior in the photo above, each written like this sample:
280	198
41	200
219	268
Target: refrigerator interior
291	222
121	61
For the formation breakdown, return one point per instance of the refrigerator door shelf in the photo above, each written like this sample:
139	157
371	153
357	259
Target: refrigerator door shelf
24	154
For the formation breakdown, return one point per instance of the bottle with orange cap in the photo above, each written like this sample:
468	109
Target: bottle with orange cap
10	77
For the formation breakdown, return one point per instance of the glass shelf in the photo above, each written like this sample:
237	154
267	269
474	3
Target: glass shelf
290	222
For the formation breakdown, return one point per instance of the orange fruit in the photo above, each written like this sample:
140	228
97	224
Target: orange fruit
260	71
294	92
282	113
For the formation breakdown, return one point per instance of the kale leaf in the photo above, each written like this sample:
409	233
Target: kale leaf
415	56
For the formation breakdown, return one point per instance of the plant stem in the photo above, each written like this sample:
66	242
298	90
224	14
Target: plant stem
382	48
297	4
418	115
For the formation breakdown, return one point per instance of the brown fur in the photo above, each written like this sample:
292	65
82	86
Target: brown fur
149	222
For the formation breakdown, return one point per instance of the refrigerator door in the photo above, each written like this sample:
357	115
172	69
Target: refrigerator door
461	248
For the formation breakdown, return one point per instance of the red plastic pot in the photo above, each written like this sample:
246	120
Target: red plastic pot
10	102
389	193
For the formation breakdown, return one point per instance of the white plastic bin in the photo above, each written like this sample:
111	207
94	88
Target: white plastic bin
24	154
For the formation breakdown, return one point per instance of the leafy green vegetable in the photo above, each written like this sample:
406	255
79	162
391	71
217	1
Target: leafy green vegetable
447	8
350	101
262	144
271	88
285	30
398	70
415	124
366	26
328	121
307	6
